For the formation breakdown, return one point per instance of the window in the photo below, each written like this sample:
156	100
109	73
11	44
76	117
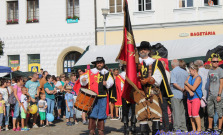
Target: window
185	3
73	9
211	2
32	11
34	62
144	5
14	62
12	12
115	6
70	60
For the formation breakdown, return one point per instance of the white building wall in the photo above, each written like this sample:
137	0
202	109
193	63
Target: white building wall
163	11
50	36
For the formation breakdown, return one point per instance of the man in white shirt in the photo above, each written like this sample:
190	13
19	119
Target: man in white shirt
98	80
204	75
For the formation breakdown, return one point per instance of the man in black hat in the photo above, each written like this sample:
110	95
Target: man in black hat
152	74
98	80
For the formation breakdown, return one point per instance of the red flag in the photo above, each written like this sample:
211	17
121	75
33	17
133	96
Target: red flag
128	54
77	86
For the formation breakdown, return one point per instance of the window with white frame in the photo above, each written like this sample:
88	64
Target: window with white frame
185	3
32	11
144	5
115	6
73	9
12	12
211	2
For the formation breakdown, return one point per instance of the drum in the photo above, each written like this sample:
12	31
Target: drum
85	100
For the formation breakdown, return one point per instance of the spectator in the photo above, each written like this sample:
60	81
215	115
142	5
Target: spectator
50	90
59	98
13	81
33	91
41	73
5	95
182	64
72	82
215	94
9	87
178	77
43	81
58	78
69	105
193	86
23	108
62	79
204	75
2	110
17	92
63	108
42	109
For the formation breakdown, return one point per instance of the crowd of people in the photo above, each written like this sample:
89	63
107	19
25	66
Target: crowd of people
49	93
195	98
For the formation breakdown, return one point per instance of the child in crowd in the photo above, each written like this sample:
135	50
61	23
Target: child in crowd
69	104
42	109
2	110
24	106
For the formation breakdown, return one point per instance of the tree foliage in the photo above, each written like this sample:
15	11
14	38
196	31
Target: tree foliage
1	47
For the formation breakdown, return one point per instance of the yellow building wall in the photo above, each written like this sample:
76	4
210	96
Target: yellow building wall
156	35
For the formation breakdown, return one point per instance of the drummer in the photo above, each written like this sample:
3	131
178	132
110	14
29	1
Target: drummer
98	80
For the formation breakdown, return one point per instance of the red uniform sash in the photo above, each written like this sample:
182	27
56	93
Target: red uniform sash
118	81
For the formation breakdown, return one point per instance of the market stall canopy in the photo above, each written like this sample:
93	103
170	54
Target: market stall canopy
109	52
19	73
191	47
5	69
188	49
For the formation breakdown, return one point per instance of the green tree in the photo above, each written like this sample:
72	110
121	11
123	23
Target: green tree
1	47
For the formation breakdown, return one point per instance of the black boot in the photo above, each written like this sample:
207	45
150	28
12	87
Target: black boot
133	124
155	127
144	129
133	128
126	129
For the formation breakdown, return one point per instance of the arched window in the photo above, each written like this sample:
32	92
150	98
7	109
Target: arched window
69	61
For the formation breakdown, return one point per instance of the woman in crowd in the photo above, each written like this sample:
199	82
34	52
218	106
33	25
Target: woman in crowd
63	108
59	97
9	87
5	95
17	92
50	90
193	86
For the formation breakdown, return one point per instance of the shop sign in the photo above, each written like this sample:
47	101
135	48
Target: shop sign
34	67
72	20
206	33
14	61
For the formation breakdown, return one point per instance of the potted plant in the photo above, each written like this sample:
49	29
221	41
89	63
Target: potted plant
32	20
14	21
73	19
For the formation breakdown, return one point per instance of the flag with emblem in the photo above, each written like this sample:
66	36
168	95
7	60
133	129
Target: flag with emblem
217	52
128	55
159	52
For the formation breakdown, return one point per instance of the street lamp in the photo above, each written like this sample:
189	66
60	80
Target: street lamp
105	13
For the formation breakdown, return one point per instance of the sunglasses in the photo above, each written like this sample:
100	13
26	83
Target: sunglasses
214	61
79	71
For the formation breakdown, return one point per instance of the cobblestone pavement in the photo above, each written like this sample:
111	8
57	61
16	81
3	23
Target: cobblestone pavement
112	127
